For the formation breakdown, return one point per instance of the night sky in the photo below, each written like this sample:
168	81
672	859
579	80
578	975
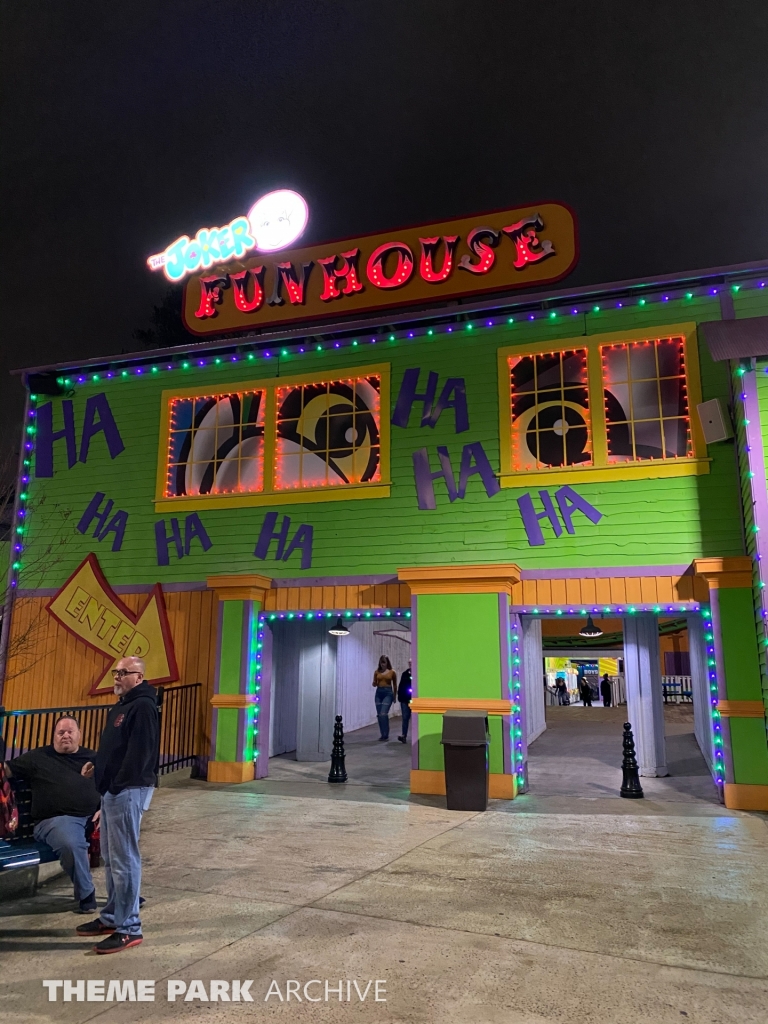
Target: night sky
125	125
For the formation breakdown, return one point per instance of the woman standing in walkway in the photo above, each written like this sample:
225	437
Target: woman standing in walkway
384	679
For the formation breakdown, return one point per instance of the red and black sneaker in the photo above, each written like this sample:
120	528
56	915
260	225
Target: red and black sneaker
96	927
117	942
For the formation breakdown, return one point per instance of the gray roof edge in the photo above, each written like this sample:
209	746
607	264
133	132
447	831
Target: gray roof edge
736	339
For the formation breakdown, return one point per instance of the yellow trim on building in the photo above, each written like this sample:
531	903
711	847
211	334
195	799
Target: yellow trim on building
742	797
350	492
601	469
602	474
725	573
461	579
234	700
432	783
269	495
231	771
245	587
439	705
741	708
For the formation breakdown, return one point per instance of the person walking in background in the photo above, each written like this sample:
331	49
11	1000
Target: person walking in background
64	803
125	771
561	689
404	693
585	692
385	681
605	690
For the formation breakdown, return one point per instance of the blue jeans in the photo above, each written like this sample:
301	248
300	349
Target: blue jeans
120	825
65	834
406	709
384	699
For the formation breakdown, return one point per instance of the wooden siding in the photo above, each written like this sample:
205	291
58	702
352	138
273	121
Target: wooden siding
588	591
611	590
305	599
54	668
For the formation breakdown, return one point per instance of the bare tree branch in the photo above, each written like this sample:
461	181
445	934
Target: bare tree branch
51	531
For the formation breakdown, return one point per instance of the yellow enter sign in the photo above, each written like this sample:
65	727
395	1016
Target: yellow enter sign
90	609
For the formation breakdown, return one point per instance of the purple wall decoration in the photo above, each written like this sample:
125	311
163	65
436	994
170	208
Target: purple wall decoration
531	517
424	477
453	386
568	502
302	540
46	435
97	418
453	396
193	528
116	524
474	462
408	396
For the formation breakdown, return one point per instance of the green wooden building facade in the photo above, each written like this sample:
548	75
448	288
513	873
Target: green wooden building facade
472	469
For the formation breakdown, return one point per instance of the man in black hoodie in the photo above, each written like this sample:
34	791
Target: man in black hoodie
126	775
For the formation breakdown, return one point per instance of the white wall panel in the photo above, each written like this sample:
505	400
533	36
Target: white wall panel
533	677
357	657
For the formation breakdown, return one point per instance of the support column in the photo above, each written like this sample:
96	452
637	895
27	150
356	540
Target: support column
236	697
533	677
645	702
702	708
464	657
737	700
317	692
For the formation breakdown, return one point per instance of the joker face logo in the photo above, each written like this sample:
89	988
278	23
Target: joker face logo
278	219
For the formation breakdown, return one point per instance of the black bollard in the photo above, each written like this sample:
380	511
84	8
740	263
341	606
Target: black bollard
338	772
630	784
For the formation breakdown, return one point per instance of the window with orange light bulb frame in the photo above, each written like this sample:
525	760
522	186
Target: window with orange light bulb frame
304	438
611	406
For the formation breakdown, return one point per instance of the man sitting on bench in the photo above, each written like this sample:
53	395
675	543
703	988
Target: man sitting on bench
63	802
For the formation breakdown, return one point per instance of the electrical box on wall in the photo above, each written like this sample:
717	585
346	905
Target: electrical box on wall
715	421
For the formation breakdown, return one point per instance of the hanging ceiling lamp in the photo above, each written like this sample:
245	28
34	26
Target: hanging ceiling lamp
339	629
590	629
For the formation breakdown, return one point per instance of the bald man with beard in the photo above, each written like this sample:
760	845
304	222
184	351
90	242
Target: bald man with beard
125	771
63	803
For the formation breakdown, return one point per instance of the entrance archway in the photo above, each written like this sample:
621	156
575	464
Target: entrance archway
633	642
310	674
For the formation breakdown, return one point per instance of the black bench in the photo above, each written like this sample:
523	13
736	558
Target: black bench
22	851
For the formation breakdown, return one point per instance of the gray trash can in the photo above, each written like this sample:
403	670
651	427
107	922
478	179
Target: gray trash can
465	748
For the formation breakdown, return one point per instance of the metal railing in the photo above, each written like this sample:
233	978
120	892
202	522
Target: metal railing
178	707
677	689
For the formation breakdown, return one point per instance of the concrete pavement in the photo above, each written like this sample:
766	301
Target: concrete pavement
559	907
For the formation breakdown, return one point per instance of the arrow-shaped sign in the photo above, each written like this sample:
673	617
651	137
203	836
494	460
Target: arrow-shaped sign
88	608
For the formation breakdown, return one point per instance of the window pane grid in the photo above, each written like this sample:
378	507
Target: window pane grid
325	434
550	410
215	444
646	401
328	434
